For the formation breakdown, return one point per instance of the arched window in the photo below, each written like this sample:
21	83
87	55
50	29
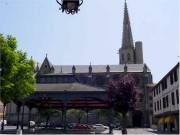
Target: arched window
122	57
129	56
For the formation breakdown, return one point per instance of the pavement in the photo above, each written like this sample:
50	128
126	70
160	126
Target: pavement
133	131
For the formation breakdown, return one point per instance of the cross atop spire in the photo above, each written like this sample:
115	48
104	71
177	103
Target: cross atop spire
127	39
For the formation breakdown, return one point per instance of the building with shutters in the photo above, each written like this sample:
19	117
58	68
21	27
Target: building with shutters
166	101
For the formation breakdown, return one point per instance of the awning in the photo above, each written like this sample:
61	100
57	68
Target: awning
161	120
169	119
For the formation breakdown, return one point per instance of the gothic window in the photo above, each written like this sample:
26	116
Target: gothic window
122	57
115	77
83	79
129	56
59	79
137	79
100	80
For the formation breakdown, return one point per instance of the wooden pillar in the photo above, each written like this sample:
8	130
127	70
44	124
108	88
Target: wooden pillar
65	110
87	117
18	111
29	117
111	117
22	118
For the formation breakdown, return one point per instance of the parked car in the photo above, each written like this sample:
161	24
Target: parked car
100	127
81	126
5	122
71	125
118	126
43	124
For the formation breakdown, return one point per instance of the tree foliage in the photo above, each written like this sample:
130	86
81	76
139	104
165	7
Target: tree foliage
77	113
122	94
17	80
49	113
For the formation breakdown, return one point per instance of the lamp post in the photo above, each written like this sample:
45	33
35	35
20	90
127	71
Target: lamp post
70	6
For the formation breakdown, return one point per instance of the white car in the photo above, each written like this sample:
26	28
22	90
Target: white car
5	122
43	124
100	127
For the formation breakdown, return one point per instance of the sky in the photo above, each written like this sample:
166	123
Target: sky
94	35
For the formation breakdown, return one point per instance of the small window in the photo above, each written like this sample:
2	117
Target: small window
171	78
175	75
172	98
167	102
160	104
164	102
177	96
157	91
155	106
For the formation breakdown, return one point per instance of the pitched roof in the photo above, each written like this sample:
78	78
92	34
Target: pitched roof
66	86
99	68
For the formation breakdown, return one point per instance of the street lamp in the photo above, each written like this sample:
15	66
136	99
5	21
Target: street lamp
70	6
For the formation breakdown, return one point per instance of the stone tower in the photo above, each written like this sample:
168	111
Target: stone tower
128	53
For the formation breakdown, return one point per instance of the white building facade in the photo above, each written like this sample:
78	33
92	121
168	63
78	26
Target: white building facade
166	101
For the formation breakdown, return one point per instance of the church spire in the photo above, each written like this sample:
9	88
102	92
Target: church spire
127	39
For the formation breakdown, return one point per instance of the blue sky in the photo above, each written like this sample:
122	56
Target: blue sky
95	33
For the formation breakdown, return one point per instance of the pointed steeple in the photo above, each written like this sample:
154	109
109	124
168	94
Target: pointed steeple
127	39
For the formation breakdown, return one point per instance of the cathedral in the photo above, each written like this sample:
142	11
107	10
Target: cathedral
95	76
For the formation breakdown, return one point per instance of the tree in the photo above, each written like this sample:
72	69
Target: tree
122	95
49	113
102	112
77	113
16	79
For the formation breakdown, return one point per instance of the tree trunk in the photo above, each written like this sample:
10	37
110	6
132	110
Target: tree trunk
79	120
17	127
47	120
124	130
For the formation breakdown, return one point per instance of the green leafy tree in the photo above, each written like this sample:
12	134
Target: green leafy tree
102	112
123	95
16	78
49	113
77	113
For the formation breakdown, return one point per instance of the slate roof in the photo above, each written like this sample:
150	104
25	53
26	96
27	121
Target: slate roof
66	86
98	68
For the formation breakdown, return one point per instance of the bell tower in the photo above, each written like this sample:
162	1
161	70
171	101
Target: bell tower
128	53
